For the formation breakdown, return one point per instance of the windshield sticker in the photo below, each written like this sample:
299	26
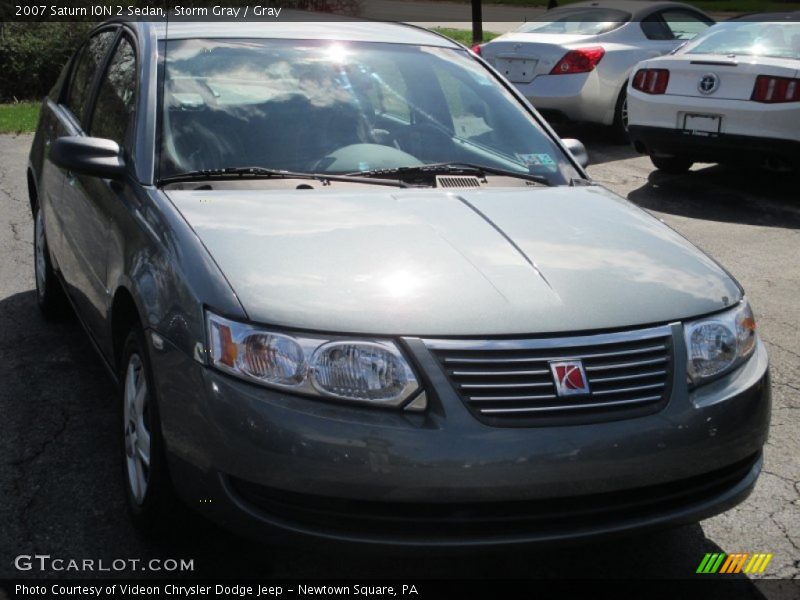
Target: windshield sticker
537	161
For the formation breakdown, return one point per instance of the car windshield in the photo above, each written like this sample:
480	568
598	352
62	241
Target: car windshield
741	38
578	21
329	107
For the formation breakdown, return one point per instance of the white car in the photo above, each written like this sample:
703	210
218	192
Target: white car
573	63
731	95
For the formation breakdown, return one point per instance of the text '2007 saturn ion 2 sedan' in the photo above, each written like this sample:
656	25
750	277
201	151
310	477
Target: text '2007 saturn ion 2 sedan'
352	287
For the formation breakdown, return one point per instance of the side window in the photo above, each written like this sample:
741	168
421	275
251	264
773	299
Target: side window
683	24
655	29
467	110
89	61
113	112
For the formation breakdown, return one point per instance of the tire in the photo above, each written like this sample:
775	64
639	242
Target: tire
148	488
620	125
672	164
49	294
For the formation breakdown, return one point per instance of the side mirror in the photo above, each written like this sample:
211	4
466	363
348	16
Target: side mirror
97	157
578	151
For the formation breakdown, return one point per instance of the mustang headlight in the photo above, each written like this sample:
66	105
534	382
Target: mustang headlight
367	371
719	344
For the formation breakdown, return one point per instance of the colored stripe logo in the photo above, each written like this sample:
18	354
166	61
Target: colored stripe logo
740	562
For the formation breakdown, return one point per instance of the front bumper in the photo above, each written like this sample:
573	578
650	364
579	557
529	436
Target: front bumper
719	148
268	464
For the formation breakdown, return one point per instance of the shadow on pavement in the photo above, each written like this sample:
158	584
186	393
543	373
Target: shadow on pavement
62	475
726	194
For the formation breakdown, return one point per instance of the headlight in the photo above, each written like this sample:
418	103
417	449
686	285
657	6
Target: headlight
719	344
367	371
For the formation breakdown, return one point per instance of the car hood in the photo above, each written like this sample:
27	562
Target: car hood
460	262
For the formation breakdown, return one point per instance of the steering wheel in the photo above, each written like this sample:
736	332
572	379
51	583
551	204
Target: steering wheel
426	141
364	157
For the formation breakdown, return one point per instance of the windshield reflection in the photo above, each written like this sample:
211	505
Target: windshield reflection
341	107
774	40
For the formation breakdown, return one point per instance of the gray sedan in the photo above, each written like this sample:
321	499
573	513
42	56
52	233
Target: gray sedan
353	287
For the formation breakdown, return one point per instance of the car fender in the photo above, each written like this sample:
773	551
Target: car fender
155	256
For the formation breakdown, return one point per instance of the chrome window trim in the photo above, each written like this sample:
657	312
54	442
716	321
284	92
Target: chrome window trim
550	342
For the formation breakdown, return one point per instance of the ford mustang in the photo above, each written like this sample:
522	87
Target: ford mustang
730	96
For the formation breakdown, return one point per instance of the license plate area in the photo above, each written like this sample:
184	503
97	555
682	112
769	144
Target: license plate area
517	70
698	124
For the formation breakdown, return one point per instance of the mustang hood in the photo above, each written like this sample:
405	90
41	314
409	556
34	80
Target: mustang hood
467	262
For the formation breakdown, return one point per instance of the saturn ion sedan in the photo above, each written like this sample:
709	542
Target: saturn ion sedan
730	96
573	63
352	287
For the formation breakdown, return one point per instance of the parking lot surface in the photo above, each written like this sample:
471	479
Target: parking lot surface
61	482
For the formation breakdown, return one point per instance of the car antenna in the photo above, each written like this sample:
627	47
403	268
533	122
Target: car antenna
164	76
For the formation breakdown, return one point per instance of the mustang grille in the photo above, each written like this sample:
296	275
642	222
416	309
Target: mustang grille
510	382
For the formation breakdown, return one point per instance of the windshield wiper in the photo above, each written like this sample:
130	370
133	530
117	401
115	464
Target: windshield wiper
449	168
230	173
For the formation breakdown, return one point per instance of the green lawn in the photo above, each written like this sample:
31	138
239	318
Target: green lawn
463	36
20	117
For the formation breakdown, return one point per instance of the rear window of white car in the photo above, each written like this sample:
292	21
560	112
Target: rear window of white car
578	21
774	40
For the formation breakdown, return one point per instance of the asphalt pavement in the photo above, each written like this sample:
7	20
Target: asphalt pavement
60	482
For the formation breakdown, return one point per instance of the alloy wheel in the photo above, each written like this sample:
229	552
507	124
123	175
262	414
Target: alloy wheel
137	433
623	115
39	252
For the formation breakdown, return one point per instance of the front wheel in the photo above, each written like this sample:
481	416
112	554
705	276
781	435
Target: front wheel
672	164
49	293
148	487
620	125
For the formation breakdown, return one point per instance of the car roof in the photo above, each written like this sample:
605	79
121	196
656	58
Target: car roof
637	8
301	26
769	17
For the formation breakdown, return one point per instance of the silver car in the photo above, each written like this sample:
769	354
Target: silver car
573	63
352	287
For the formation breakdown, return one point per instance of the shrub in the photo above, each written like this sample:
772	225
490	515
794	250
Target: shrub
32	55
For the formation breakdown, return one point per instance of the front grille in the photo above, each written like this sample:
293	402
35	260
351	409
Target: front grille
509	382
